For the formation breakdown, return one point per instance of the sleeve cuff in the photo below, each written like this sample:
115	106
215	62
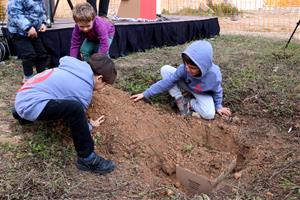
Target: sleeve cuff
218	107
146	95
28	28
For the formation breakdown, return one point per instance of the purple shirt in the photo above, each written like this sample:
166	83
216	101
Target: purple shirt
102	30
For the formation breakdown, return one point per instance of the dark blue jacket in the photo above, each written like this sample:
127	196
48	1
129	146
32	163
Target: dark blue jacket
24	14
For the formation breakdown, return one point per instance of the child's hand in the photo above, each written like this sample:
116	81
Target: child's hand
137	97
32	33
224	111
43	28
98	121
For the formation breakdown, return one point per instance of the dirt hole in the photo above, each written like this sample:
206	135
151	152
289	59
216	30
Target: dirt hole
150	141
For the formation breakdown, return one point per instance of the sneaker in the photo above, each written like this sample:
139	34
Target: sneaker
183	106
97	165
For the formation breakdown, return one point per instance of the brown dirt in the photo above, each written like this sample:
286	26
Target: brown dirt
149	142
146	142
157	138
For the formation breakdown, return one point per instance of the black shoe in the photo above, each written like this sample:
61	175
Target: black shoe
97	165
20	119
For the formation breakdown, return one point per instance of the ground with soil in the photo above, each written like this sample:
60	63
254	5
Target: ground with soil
154	141
147	140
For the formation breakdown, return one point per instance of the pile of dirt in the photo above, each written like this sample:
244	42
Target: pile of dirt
148	142
155	141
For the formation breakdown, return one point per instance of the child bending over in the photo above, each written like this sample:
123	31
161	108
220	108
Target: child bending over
91	33
65	93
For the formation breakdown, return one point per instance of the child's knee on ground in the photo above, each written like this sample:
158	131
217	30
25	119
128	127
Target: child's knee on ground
206	111
166	71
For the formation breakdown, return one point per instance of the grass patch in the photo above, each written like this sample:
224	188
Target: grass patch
260	78
221	10
139	81
37	168
188	149
262	75
283	176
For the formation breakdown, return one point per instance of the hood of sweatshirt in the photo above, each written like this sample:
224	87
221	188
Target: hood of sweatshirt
80	69
201	52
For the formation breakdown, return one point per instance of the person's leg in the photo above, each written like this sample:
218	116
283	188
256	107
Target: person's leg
110	41
103	7
93	3
87	49
97	46
20	119
204	105
25	52
42	58
175	91
73	112
166	71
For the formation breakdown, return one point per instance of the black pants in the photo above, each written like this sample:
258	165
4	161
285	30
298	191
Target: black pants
72	112
32	53
103	6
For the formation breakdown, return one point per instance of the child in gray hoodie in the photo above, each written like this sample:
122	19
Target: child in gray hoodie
65	93
199	76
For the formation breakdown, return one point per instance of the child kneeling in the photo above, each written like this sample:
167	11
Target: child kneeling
199	76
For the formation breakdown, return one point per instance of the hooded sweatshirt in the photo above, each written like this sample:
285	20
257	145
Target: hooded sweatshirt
72	80
102	30
209	82
23	15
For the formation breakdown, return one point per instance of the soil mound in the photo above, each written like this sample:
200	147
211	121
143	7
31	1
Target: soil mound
154	141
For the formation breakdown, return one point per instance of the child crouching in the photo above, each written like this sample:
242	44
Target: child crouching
199	76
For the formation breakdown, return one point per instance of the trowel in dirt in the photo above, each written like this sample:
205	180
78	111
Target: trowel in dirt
200	184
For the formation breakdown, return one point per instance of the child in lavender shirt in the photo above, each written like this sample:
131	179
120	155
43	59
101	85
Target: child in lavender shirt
91	34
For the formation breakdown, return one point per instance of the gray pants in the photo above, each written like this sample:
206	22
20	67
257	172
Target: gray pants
202	103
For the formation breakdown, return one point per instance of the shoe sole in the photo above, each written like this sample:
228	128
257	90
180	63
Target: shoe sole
82	168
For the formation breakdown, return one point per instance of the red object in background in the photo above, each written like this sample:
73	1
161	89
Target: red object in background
148	9
138	9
